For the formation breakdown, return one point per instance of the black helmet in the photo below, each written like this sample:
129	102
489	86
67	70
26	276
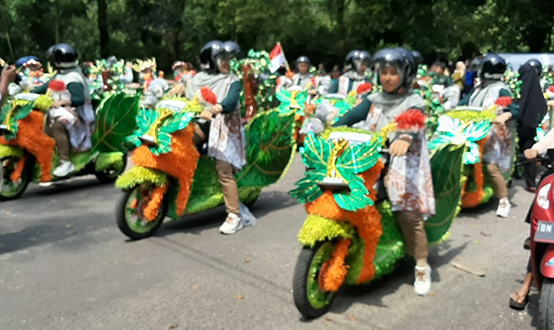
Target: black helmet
475	64
355	59
536	65
63	56
231	49
492	67
303	59
417	57
411	60
393	57
208	54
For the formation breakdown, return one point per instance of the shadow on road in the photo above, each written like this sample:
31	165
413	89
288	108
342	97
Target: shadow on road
195	224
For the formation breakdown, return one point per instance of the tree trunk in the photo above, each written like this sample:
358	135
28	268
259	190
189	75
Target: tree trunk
57	21
103	28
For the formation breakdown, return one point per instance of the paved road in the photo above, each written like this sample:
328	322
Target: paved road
65	265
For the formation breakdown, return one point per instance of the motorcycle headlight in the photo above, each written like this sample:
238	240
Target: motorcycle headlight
542	197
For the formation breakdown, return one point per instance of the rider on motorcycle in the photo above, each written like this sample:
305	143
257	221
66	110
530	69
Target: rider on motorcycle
302	77
222	130
415	201
76	133
357	62
497	156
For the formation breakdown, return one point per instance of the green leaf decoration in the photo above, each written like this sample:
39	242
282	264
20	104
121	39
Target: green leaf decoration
270	148
11	114
354	160
357	198
164	144
446	169
294	99
177	122
359	158
315	152
115	121
308	190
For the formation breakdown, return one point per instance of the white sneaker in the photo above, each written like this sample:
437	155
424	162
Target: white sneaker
504	207
231	225
45	184
64	169
422	284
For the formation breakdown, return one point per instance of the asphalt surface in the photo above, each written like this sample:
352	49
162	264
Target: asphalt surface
65	265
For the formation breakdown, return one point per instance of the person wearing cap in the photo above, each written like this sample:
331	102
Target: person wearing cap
409	182
498	155
222	128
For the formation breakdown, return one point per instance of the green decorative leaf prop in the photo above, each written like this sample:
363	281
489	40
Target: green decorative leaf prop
355	159
115	120
357	198
315	152
292	101
10	114
269	148
171	122
446	169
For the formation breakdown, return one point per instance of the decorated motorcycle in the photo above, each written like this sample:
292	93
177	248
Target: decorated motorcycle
350	235
475	125
171	178
27	154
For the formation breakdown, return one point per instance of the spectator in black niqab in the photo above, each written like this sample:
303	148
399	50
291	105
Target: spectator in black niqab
533	109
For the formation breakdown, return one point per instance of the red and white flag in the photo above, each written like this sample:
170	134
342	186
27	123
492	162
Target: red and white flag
277	58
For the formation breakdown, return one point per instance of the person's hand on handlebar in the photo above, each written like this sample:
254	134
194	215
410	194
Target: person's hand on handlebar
400	146
531	153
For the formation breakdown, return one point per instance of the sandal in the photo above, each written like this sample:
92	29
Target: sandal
519	305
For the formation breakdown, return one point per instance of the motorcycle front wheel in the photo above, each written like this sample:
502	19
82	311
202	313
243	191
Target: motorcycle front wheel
10	189
129	213
310	298
546	305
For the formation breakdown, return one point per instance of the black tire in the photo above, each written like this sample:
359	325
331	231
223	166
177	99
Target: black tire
123	216
546	305
110	175
9	190
301	279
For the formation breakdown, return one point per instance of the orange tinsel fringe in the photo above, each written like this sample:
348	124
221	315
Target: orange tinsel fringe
32	138
180	163
336	270
366	221
473	198
153	207
16	174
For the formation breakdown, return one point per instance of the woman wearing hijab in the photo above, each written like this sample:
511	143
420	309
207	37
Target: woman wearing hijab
533	109
409	183
222	129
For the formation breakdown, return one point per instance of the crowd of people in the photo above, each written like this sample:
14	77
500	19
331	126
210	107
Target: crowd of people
397	85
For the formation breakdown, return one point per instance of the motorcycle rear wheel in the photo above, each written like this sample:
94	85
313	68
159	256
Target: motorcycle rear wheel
310	298
546	305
